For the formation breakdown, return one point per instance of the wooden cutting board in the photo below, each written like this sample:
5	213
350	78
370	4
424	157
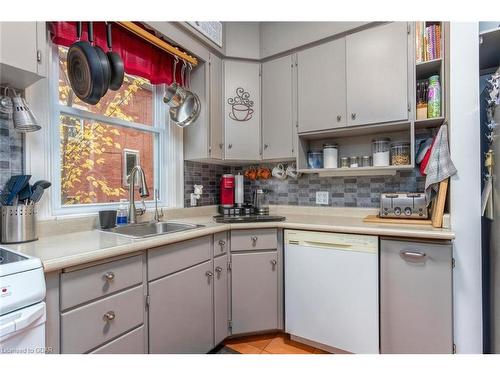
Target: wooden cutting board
378	220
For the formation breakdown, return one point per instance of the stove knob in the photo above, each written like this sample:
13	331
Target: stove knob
397	211
408	211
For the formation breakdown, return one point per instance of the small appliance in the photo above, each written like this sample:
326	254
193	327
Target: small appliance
227	190
403	205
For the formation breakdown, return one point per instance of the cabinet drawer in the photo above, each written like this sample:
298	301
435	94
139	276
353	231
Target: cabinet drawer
254	239
172	258
221	243
130	343
87	327
90	283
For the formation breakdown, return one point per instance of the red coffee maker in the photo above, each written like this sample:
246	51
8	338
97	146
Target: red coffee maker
227	190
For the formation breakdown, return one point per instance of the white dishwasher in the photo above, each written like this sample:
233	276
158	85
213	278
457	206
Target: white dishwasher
331	289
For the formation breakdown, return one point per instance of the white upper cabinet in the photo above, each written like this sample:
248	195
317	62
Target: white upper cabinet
321	87
377	74
277	109
216	114
22	53
242	110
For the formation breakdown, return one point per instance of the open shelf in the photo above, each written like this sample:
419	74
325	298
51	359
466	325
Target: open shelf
429	123
354	131
360	171
429	68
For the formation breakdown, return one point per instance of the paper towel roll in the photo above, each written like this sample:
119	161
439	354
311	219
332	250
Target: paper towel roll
238	190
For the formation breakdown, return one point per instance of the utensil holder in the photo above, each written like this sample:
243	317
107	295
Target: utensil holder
18	224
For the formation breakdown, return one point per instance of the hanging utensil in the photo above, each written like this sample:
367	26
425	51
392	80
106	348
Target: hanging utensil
85	71
103	58
190	108
115	62
174	93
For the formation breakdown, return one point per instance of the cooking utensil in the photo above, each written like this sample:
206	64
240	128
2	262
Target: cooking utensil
115	62
43	183
37	193
189	109
103	58
85	71
12	188
174	93
18	224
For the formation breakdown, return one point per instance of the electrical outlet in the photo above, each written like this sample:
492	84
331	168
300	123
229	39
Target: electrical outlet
321	197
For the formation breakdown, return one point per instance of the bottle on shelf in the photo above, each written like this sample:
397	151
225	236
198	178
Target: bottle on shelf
434	97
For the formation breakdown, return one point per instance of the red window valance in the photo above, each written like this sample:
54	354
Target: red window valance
139	57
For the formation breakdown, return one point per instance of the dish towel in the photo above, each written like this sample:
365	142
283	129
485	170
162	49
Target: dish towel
440	166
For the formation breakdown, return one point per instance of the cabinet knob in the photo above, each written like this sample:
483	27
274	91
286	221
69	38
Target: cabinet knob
221	244
221	145
218	269
254	240
353	116
109	276
274	262
109	316
266	146
230	145
339	117
209	274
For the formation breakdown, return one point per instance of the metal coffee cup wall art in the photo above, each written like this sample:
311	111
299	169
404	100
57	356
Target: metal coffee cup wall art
241	105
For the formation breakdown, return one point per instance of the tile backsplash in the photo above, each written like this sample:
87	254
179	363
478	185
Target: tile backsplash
11	151
343	191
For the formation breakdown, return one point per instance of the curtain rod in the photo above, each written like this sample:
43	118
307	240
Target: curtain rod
154	40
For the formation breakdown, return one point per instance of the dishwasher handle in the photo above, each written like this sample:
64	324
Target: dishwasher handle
413	256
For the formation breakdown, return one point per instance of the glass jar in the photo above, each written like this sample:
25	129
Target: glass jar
381	152
434	97
330	156
366	161
344	162
315	159
354	162
400	153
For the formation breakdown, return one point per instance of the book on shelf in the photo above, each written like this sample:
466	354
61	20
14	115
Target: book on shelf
428	42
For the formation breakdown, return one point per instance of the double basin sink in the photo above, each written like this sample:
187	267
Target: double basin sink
144	230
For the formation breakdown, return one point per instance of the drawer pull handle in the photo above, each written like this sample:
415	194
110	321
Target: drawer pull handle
413	256
109	316
254	240
110	276
218	269
209	273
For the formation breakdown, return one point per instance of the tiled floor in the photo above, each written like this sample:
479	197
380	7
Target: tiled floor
274	343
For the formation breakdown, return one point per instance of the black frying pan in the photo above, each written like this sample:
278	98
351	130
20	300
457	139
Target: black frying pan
85	71
115	62
106	69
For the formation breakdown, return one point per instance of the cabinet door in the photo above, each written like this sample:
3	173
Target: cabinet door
254	292
321	87
277	120
242	110
18	45
221	296
216	116
377	74
415	297
181	312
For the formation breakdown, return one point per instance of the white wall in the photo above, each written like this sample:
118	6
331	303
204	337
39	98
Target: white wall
277	37
465	186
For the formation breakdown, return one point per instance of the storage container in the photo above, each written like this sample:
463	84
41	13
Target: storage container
381	152
400	153
330	156
315	159
18	223
354	162
366	161
344	162
434	97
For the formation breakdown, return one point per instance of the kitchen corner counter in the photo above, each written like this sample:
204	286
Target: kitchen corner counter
58	251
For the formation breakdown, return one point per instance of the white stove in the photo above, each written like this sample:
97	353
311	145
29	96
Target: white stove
22	310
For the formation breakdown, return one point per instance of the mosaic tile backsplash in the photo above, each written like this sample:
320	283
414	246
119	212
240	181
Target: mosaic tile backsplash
11	151
343	191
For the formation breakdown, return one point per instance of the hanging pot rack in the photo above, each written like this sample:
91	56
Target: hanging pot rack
154	40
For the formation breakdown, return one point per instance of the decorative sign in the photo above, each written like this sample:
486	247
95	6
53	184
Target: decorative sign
241	106
212	30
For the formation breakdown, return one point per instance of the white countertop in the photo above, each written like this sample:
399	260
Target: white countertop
58	251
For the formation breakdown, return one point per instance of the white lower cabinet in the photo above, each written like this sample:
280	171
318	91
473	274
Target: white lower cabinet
181	312
130	343
221	298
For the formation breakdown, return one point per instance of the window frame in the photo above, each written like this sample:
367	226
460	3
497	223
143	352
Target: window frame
159	129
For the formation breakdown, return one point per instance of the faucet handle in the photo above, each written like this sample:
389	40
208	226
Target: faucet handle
141	211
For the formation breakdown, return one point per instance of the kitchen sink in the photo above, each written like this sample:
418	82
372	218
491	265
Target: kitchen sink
144	230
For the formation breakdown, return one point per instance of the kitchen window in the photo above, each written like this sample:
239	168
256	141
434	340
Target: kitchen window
94	144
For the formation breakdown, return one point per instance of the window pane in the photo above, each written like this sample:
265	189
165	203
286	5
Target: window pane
93	160
132	102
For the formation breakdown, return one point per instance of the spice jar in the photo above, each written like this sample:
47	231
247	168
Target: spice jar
381	152
330	156
344	162
354	162
366	161
400	153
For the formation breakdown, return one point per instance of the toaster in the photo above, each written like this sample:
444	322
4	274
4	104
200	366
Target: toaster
403	205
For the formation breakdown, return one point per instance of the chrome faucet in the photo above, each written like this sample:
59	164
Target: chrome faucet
143	191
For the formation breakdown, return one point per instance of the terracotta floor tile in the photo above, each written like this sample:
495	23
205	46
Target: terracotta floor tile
244	348
259	341
283	345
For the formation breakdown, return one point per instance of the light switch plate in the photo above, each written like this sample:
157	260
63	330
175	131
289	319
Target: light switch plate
321	197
